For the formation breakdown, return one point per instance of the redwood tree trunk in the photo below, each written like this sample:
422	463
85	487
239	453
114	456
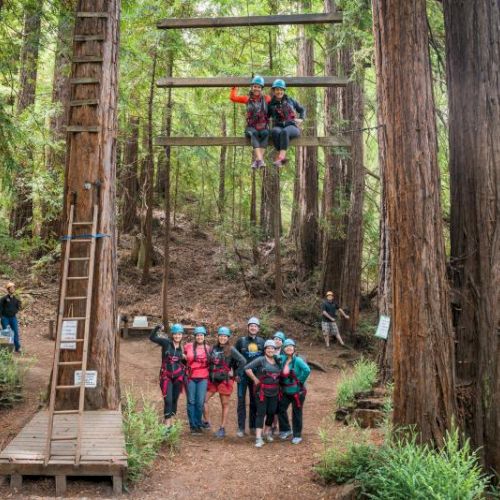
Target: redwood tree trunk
22	211
91	157
130	186
221	202
473	56
423	337
307	209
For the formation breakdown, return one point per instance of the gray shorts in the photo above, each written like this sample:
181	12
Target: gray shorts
329	328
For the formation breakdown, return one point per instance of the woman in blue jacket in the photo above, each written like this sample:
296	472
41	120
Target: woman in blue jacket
294	373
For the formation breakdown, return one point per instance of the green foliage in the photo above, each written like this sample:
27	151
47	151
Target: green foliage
361	379
11	378
404	469
144	434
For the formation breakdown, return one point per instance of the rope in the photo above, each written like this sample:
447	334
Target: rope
251	39
84	236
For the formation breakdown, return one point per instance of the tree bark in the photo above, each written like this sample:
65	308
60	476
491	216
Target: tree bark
91	158
221	202
350	287
22	212
423	337
307	209
473	54
130	186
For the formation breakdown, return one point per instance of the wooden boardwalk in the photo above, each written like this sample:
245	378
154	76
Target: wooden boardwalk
103	449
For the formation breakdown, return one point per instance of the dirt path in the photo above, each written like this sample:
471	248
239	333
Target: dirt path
204	466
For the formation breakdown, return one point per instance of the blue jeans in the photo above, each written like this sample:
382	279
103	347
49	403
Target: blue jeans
6	321
243	385
197	390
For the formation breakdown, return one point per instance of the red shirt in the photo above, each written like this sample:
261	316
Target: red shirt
197	368
243	99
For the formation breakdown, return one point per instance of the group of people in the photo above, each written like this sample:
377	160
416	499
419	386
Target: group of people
284	113
10	305
270	371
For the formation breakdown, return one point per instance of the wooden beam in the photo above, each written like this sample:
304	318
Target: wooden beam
227	22
238	81
243	141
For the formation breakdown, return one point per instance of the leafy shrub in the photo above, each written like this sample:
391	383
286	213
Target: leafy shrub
361	379
11	379
144	434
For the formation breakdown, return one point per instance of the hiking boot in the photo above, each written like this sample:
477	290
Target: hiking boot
205	425
268	437
196	431
240	433
259	443
285	435
296	440
221	433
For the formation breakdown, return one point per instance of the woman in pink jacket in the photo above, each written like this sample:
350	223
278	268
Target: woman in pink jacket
197	355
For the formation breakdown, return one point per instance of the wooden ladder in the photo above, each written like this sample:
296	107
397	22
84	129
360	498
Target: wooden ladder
64	298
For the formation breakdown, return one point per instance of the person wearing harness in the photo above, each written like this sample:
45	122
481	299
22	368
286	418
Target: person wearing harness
224	362
265	374
257	126
287	116
294	373
173	370
197	354
279	338
250	346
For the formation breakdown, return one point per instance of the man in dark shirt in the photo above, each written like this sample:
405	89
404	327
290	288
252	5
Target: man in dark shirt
329	326
9	307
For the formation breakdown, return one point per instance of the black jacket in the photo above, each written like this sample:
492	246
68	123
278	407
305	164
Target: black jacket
9	306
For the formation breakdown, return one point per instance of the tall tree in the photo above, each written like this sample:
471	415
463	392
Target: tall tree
22	212
129	176
473	74
221	202
91	158
307	208
423	337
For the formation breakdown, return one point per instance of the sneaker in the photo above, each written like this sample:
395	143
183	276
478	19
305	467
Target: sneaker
240	433
205	425
260	164
255	165
259	443
269	438
296	440
285	435
221	433
277	163
196	432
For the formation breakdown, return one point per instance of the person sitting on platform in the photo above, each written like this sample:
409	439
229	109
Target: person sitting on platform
287	116
257	128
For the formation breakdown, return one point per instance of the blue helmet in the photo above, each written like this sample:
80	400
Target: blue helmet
200	330
288	342
258	80
253	321
176	328
280	335
224	330
279	84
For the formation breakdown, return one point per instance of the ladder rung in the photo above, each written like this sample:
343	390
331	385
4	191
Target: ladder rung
92	14
82	128
80	240
78	318
62	387
69	363
88	38
77	278
84	102
79	258
87	59
75	298
82	223
84	81
69	341
69	438
65	412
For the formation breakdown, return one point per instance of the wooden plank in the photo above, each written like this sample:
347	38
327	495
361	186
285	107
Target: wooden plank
87	59
83	81
334	141
86	468
89	38
237	81
92	14
82	128
225	22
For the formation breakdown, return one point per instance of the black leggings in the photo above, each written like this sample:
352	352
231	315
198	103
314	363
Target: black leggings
282	135
174	390
258	138
265	409
285	402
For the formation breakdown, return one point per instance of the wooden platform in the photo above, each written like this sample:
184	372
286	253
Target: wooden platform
103	449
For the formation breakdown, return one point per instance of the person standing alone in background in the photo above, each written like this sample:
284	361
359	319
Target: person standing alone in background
10	305
329	308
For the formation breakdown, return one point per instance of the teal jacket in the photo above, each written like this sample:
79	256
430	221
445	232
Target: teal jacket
301	369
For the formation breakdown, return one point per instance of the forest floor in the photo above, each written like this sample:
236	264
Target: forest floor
203	466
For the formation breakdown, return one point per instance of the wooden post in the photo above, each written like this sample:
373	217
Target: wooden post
51	329
16	482
60	485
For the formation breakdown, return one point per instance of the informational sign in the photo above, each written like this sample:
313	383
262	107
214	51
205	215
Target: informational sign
90	378
140	322
383	327
68	333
